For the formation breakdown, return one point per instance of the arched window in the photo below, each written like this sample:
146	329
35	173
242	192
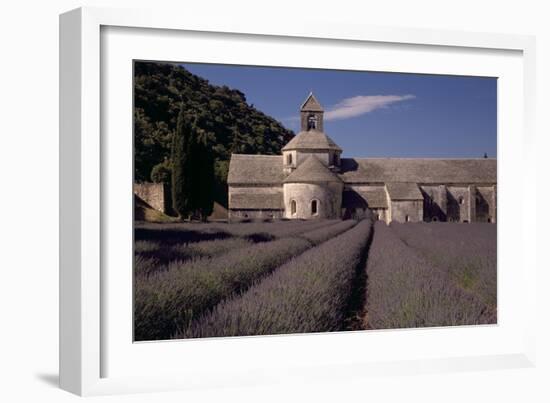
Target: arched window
314	207
311	122
289	159
461	200
293	207
407	218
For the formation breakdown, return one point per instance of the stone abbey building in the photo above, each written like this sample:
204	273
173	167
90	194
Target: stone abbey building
311	180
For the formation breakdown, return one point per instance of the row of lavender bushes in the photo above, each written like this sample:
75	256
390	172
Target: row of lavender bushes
467	252
406	290
171	299
197	232
310	293
152	256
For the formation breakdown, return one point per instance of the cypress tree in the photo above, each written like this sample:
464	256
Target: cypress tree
193	174
181	174
206	177
193	169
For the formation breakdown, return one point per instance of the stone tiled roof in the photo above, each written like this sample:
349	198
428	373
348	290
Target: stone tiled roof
256	201
245	169
268	170
311	104
372	198
311	171
403	191
311	140
376	198
419	170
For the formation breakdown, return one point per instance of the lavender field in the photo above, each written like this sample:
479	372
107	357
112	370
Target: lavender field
217	279
422	275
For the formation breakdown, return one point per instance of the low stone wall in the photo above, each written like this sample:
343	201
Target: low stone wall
153	194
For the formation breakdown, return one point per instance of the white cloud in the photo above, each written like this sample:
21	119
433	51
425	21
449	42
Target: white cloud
361	104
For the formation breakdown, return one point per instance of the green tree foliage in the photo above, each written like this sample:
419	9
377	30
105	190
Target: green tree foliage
152	141
227	122
161	172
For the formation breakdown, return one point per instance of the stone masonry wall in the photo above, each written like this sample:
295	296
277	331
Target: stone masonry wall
153	194
328	195
304	116
380	214
407	210
288	168
458	203
235	215
255	190
435	202
485	204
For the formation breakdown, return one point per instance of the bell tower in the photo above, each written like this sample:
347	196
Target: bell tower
311	114
312	140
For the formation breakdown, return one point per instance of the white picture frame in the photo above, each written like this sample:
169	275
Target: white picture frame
85	306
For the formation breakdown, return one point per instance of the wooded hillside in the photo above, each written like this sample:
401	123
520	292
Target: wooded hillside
230	123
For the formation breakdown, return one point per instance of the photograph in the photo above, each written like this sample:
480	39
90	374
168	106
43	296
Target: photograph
284	200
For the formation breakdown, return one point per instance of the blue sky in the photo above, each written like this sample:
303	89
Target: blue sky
371	114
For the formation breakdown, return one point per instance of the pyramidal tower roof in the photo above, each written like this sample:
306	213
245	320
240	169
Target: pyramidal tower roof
311	171
311	137
311	140
311	104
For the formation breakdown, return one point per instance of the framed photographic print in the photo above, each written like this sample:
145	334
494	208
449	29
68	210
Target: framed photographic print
236	200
